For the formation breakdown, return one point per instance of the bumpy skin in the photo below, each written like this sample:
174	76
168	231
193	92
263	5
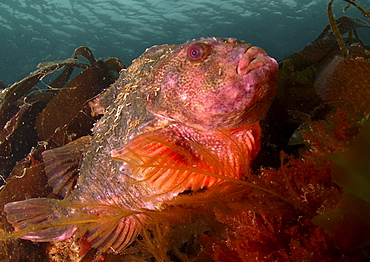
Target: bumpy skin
212	94
166	109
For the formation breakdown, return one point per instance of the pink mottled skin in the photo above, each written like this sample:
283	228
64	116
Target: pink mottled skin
179	118
223	91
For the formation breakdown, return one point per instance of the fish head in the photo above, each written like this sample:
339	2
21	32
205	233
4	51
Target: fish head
213	83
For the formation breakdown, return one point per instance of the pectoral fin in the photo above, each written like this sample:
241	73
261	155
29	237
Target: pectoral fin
169	166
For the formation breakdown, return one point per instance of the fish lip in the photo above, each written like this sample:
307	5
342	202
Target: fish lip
254	57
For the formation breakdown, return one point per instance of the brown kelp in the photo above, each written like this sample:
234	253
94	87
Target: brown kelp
24	107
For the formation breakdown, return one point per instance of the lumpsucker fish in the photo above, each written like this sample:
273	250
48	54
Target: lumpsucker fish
181	117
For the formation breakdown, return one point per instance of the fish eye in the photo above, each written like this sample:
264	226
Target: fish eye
198	52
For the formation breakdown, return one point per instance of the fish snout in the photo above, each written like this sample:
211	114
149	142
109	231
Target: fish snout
253	58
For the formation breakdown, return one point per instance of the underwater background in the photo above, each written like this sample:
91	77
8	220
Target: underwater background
50	30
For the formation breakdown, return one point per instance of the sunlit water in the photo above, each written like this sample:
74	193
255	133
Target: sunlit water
50	30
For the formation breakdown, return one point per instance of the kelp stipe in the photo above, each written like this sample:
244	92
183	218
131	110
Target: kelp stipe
363	11
334	26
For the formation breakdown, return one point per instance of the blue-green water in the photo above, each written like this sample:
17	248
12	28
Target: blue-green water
48	30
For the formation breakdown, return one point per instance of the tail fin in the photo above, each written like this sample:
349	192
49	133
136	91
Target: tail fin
33	219
110	227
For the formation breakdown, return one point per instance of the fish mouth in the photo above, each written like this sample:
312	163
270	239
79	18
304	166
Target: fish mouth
254	57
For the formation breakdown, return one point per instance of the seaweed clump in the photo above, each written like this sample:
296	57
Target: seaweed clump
38	114
310	200
239	222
